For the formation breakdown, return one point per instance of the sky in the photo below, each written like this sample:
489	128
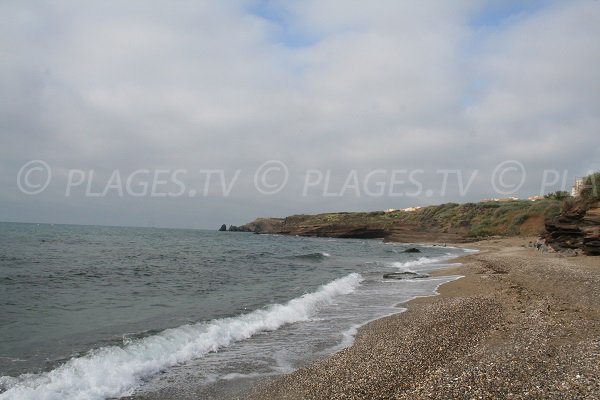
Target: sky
198	113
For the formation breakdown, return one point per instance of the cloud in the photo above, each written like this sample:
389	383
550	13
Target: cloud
317	84
541	91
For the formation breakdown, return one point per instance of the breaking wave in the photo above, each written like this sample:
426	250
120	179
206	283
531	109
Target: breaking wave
114	371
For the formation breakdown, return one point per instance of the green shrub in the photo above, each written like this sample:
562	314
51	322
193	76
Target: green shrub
558	195
520	219
480	231
552	209
591	189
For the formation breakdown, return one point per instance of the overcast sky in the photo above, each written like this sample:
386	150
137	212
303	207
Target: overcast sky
330	85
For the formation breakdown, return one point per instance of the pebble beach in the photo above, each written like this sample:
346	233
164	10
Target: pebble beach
520	324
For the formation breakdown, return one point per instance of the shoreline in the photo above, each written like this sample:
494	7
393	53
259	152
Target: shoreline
518	324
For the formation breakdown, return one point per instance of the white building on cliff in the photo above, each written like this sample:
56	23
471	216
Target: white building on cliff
577	187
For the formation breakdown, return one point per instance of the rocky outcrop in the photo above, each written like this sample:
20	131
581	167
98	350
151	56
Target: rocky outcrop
591	230
294	226
444	223
264	225
336	231
243	228
300	225
576	228
233	228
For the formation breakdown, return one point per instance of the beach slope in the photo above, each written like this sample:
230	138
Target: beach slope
520	324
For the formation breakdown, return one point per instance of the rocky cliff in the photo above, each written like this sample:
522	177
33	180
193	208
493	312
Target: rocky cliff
446	223
576	228
302	225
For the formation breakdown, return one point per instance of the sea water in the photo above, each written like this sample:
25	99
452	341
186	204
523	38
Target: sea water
93	312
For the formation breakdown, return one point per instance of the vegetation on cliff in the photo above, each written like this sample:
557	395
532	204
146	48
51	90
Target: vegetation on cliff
591	188
571	223
446	222
487	218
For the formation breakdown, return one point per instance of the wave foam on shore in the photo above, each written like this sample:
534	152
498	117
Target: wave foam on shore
113	371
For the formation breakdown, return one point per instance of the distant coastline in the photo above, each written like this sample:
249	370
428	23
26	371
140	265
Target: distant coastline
445	223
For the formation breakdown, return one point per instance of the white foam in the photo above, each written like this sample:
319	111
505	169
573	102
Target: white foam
405	266
114	371
235	375
347	339
348	336
326	254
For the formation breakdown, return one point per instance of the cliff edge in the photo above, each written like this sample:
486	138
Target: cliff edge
450	222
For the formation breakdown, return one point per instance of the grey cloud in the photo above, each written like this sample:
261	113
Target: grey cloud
112	85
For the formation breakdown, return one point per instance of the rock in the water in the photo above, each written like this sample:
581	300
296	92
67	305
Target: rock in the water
404	275
412	250
223	228
233	228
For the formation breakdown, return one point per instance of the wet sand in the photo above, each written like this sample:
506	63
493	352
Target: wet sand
520	324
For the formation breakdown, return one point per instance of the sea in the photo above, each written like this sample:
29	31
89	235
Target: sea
97	312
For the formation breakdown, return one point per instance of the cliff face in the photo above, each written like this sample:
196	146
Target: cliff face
397	232
336	231
302	226
577	228
446	223
264	225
